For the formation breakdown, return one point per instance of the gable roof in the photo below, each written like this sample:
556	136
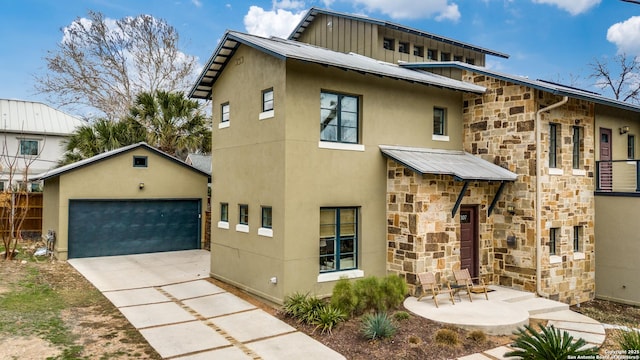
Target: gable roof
289	49
554	88
199	161
29	117
313	12
107	155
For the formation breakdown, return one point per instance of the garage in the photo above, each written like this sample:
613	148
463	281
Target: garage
132	200
132	226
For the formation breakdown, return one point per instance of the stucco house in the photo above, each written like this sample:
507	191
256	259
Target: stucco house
370	148
33	134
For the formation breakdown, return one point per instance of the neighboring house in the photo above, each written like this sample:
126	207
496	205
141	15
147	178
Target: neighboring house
135	199
343	164
200	162
33	134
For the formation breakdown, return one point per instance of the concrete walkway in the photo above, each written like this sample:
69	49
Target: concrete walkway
183	316
504	312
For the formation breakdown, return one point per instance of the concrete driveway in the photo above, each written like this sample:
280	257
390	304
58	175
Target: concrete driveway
183	316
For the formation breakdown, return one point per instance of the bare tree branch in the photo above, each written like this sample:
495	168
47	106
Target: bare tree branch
624	83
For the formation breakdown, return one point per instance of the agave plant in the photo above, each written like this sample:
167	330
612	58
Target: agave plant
628	340
377	325
548	344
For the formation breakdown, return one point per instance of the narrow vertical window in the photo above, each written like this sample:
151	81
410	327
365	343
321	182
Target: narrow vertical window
224	212
225	110
577	239
577	147
631	147
553	145
244	214
553	234
439	122
338	239
266	217
267	100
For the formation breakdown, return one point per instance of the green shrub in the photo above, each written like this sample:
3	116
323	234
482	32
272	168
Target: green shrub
477	336
343	296
394	290
447	337
550	343
377	325
328	317
401	315
294	305
311	310
369	295
628	340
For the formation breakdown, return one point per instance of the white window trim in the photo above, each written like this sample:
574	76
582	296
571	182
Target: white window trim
556	171
224	125
578	255
337	275
266	115
435	137
555	259
223	225
579	172
242	228
266	232
340	146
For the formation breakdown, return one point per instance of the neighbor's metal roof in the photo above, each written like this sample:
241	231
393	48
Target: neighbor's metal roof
551	87
459	164
289	49
313	12
28	117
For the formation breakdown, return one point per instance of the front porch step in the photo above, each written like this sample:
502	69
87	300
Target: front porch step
537	305
509	295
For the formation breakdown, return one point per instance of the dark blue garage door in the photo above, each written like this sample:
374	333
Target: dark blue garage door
119	227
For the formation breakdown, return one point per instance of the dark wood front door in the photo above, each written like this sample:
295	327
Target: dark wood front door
469	240
605	171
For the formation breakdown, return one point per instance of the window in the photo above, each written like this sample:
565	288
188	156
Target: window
1	185
139	161
631	147
457	58
418	51
224	212
35	187
445	56
577	236
244	214
553	145
339	118
553	233
225	113
266	217
577	147
388	44
267	99
403	47
28	147
439	122
338	239
432	54
471	61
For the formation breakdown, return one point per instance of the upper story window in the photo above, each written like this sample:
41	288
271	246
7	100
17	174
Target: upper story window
432	54
28	147
244	214
225	113
554	129
224	212
418	50
578	146
445	56
140	161
439	121
631	147
338	239
577	239
267	100
471	61
553	240
339	118
403	47
388	44
457	58
267	217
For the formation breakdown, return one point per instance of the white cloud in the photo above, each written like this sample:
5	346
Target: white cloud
277	22
411	9
197	3
574	7
288	4
626	36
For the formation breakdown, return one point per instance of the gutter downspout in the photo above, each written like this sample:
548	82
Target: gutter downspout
564	100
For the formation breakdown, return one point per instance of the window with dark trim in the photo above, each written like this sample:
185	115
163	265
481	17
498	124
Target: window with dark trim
339	118
338	239
578	146
439	121
267	213
432	54
577	238
267	99
28	147
445	56
553	145
225	112
457	58
388	44
631	147
244	214
224	212
139	161
553	237
471	61
418	50
403	47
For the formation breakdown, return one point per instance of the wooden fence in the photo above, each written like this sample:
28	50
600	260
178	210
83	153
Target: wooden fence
32	226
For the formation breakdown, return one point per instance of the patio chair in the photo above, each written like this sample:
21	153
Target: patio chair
428	283
464	279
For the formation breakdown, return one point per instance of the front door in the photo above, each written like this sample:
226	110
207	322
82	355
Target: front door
469	240
605	170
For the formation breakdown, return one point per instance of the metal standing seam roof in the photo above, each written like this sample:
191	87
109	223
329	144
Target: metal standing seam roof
29	117
547	86
459	164
313	12
289	49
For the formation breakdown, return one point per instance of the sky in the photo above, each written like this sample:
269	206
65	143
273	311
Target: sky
555	40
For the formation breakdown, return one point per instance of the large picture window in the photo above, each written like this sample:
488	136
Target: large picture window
339	118
338	239
28	147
